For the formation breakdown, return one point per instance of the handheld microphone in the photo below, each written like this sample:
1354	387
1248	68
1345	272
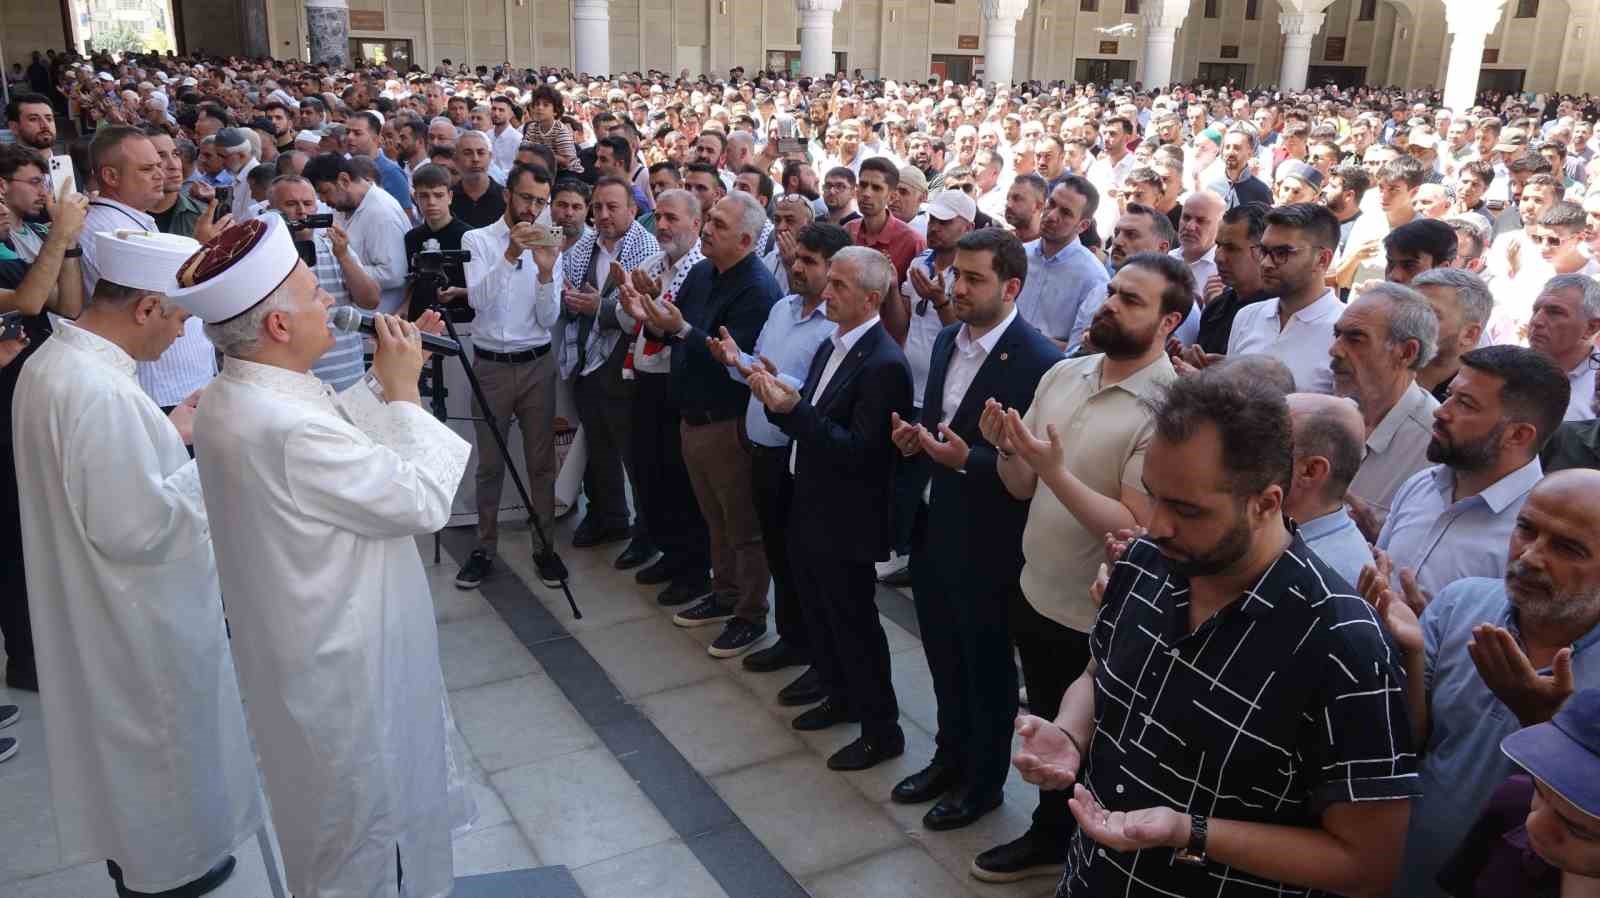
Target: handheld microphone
350	320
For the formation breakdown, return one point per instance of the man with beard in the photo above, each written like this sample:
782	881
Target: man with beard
31	118
1297	327
374	222
1091	474
877	228
794	212
1197	239
1448	521
1141	229
1065	282
1237	282
1237	185
968	536
1221	635
1025	206
1347	184
1462	303
1493	654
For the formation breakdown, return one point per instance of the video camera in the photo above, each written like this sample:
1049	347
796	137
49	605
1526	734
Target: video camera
428	276
310	221
431	261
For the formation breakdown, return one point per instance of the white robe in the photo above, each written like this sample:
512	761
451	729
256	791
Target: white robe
315	502
150	761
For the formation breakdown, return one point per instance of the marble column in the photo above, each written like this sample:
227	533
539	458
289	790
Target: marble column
1298	30
1469	25
591	36
1000	19
328	27
816	35
1161	23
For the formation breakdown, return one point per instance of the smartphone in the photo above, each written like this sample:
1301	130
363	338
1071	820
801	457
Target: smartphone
791	147
224	202
62	179
10	326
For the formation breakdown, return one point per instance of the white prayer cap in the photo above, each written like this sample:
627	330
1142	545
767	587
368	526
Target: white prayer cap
311	137
143	260
237	269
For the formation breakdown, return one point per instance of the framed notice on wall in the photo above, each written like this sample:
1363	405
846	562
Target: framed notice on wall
1108	48
366	20
1490	55
967	42
1333	49
1230	51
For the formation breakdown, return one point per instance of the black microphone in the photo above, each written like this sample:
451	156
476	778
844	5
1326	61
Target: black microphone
351	320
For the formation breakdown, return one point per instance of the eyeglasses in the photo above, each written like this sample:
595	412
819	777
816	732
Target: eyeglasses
1549	239
1278	254
32	182
964	188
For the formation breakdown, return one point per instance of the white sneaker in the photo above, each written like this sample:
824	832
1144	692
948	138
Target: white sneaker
894	565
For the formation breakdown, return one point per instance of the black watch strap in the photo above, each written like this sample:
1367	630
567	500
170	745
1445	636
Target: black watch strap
72	253
1195	851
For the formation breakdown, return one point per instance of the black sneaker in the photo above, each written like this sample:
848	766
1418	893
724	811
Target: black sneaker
1028	855
706	612
8	747
479	565
738	637
552	570
9	715
682	593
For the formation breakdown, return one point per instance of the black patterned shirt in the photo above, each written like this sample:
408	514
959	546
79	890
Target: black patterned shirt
1287	700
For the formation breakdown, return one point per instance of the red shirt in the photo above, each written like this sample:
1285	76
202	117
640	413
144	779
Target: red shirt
896	240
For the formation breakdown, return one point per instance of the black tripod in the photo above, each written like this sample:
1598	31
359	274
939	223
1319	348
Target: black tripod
425	292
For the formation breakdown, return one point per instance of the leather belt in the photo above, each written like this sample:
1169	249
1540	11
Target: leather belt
514	358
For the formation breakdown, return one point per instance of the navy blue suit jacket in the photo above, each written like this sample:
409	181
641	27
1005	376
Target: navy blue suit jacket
844	466
974	532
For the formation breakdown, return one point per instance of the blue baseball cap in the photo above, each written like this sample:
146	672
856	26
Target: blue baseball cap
1564	753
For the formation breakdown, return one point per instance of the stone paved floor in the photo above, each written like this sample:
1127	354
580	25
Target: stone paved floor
552	790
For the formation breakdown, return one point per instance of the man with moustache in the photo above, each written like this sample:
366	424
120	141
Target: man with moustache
1296	328
1197	248
1025	206
966	547
33	120
1491	655
1076	458
1141	229
1566	318
796	326
1065	281
1237	282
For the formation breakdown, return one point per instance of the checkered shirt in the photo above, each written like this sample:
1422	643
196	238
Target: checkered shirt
1287	700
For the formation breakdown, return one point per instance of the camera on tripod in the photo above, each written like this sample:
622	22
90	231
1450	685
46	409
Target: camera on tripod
428	275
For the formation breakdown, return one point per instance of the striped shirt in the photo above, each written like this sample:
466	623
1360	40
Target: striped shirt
342	365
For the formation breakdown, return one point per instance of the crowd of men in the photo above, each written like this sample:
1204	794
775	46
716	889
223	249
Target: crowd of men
1238	448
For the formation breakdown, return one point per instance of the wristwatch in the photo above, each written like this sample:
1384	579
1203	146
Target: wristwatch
1195	851
72	252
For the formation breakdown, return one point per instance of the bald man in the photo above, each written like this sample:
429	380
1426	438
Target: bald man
1328	433
1492	655
1197	248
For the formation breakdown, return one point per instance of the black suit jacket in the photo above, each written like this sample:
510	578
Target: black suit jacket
974	534
844	466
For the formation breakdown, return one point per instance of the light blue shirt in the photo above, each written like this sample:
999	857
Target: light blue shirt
1446	541
1063	291
1463	763
1336	540
790	339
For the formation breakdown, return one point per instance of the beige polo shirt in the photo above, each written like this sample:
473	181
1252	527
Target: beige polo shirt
1397	448
1105	431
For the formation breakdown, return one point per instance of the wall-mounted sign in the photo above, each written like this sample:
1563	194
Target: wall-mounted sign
1333	49
967	42
366	20
1490	55
1108	48
1230	51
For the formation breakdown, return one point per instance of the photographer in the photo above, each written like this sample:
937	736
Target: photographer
326	251
374	220
430	189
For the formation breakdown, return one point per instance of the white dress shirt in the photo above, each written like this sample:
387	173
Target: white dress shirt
923	328
1580	407
505	145
377	232
966	362
1302	343
515	312
1203	269
842	344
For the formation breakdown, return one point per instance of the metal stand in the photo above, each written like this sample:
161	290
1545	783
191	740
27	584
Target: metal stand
437	404
274	880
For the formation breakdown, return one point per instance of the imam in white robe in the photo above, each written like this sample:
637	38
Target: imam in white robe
150	761
315	501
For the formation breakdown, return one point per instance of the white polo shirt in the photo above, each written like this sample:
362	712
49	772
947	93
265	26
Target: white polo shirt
1301	344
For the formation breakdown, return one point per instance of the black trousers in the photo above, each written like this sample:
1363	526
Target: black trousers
848	646
1053	657
661	482
605	409
14	624
966	637
774	490
909	482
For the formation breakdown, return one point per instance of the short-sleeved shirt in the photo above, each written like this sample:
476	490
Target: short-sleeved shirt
1063	291
1302	345
1105	429
924	326
480	212
895	240
449	238
1397	448
1463	763
1288	700
1444	540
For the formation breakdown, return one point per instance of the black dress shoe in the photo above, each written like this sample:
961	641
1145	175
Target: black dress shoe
900	578
588	535
663	571
777	656
22	676
1031	854
821	717
806	690
214	877
959	809
682	593
638	552
926	784
869	751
